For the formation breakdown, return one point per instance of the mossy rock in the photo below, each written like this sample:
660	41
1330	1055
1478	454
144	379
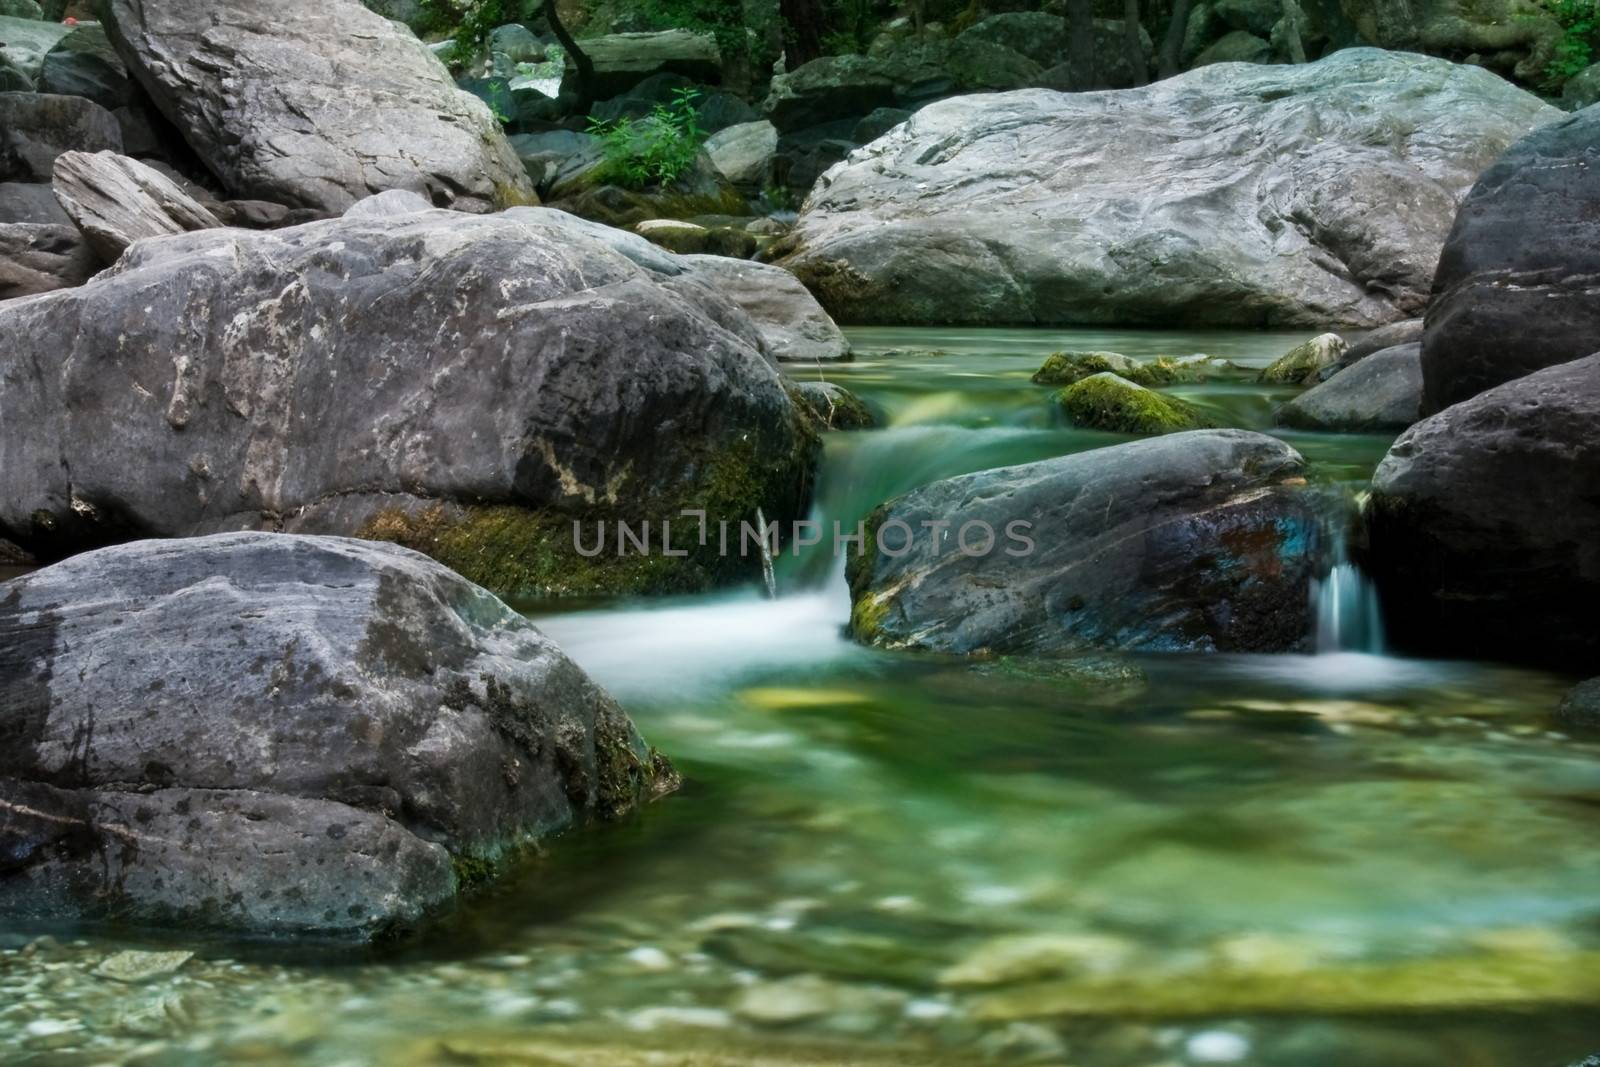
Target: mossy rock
1068	368
521	552
1106	401
688	239
836	407
1302	363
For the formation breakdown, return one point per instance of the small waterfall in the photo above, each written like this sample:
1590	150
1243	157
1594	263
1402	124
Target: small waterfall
1346	602
1348	619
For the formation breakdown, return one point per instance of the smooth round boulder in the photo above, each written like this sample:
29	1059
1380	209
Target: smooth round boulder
1199	541
471	386
1405	332
1311	195
1108	402
315	104
1381	392
1484	524
1514	292
271	735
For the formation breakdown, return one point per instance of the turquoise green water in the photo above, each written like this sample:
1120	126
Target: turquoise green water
1342	859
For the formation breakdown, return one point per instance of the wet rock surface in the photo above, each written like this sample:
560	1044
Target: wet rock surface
1193	541
1383	391
1485	523
277	735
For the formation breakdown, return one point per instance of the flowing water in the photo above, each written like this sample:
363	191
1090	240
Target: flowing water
1334	859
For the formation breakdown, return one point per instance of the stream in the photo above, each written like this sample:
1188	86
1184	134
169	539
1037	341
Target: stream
1340	858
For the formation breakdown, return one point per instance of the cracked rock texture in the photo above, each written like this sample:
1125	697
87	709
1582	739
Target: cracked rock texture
315	103
116	201
1233	195
278	735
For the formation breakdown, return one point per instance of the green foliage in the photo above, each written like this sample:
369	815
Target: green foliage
469	22
655	150
495	109
780	198
1580	23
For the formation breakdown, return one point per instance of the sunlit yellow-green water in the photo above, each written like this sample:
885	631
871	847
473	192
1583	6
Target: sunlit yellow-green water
1343	859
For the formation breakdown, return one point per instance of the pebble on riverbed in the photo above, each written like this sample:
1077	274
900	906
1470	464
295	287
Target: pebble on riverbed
133	966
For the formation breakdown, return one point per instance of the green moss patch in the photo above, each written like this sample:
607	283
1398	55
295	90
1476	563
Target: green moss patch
1067	368
1106	401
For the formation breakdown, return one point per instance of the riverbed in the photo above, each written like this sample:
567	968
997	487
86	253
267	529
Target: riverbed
1342	858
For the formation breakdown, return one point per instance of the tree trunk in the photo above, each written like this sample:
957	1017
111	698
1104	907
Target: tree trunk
802	32
1080	45
1172	45
580	58
1135	46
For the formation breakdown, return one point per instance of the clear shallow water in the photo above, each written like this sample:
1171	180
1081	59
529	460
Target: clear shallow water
877	858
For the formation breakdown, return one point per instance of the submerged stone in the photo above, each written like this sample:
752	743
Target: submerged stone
133	966
1470	983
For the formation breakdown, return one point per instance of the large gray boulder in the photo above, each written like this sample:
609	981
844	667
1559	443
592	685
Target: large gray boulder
1484	523
791	322
1515	287
1198	541
116	201
466	385
315	103
281	735
1381	392
1313	195
42	257
35	128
